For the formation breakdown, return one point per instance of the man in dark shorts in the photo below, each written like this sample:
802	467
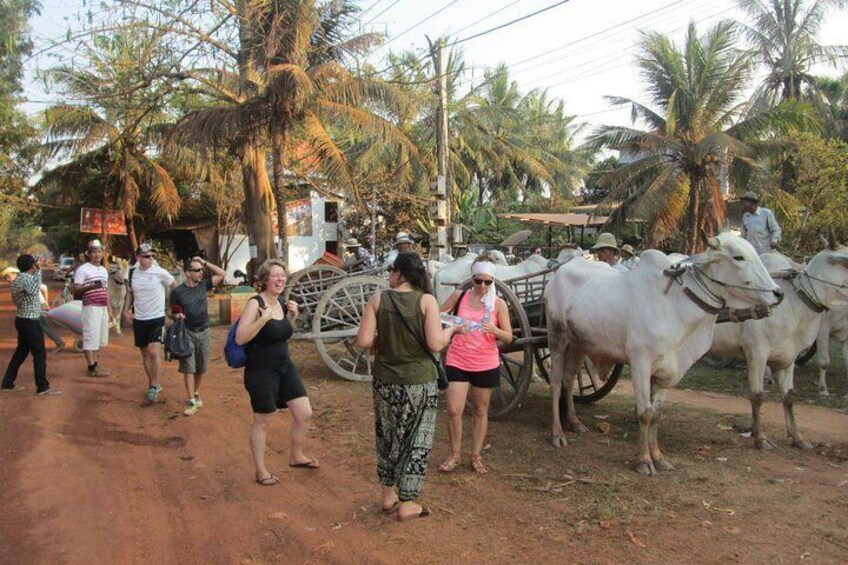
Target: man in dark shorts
144	307
191	299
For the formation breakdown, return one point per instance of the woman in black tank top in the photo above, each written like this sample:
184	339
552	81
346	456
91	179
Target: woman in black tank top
270	377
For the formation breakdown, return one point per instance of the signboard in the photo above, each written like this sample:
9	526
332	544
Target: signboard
91	221
299	217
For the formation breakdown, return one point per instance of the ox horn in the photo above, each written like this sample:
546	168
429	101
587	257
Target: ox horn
832	239
824	241
713	243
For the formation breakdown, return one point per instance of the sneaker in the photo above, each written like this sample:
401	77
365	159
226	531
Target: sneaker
97	372
153	394
198	400
59	347
15	388
191	408
49	392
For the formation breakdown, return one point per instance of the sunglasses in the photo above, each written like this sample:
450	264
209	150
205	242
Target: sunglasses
194	270
146	256
481	281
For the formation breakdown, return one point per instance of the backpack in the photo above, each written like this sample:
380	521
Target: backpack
177	344
235	354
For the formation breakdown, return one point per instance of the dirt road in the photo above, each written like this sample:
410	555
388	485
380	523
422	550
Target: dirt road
93	477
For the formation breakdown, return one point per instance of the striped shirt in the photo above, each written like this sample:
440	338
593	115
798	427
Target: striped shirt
89	273
26	289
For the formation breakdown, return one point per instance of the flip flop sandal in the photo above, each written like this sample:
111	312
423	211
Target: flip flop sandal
268	481
423	514
393	508
477	465
450	464
311	464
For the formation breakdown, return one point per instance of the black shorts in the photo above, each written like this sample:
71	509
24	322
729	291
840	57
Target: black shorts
272	389
149	331
480	379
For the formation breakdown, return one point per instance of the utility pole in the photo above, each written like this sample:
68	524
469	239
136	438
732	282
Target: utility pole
440	189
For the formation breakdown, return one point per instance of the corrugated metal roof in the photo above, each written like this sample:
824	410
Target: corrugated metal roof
565	220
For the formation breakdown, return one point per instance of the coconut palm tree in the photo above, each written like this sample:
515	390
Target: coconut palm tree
112	124
830	99
783	37
696	122
285	86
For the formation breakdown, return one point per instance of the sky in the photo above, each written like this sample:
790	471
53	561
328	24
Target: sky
580	51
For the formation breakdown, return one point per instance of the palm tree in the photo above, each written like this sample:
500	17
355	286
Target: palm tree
113	126
783	37
830	99
288	89
696	123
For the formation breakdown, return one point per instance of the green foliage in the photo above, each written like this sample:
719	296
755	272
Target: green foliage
822	167
596	186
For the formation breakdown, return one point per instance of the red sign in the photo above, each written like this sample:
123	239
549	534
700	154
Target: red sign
91	221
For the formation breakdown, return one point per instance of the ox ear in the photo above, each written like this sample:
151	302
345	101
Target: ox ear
838	259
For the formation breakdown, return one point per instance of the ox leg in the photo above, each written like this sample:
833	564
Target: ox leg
786	380
756	370
640	376
823	360
659	460
558	359
845	358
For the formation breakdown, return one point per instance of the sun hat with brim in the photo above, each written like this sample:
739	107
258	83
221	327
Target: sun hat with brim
144	249
750	196
402	237
605	240
352	243
627	249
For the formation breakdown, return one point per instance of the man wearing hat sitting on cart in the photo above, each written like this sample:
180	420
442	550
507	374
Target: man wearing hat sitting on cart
759	225
606	249
402	244
629	259
359	255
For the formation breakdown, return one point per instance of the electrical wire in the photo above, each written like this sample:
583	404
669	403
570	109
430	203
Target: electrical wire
431	16
509	23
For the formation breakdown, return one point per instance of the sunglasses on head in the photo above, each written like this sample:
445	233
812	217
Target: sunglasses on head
194	270
481	281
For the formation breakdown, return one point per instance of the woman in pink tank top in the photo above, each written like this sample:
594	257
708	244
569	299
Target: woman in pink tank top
472	362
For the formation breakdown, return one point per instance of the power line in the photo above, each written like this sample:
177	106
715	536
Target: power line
486	17
431	16
509	23
386	9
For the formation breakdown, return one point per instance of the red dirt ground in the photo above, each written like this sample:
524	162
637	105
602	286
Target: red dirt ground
93	477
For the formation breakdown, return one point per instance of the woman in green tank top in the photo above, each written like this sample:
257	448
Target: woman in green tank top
404	386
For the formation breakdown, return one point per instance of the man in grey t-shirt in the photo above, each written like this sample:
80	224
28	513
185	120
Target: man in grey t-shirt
189	303
759	225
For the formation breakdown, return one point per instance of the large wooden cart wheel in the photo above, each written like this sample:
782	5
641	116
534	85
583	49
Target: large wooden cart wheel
339	313
516	358
306	287
591	387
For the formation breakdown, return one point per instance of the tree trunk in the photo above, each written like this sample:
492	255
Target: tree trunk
131	232
279	192
257	201
692	211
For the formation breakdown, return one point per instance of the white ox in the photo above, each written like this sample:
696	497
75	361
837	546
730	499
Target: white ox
452	275
117	290
648	318
777	340
834	325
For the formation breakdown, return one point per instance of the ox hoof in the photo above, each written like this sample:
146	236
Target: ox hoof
645	468
802	444
577	426
663	465
764	444
559	441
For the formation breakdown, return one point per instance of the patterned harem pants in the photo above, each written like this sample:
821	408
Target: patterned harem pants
405	421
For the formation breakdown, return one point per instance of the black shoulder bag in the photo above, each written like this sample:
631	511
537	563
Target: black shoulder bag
442	381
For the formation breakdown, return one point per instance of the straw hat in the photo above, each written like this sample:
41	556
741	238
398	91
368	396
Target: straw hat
402	237
752	196
605	240
627	249
352	242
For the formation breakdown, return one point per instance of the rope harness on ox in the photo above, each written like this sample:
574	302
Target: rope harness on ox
713	303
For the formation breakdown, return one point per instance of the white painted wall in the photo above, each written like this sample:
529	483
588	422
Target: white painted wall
305	250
